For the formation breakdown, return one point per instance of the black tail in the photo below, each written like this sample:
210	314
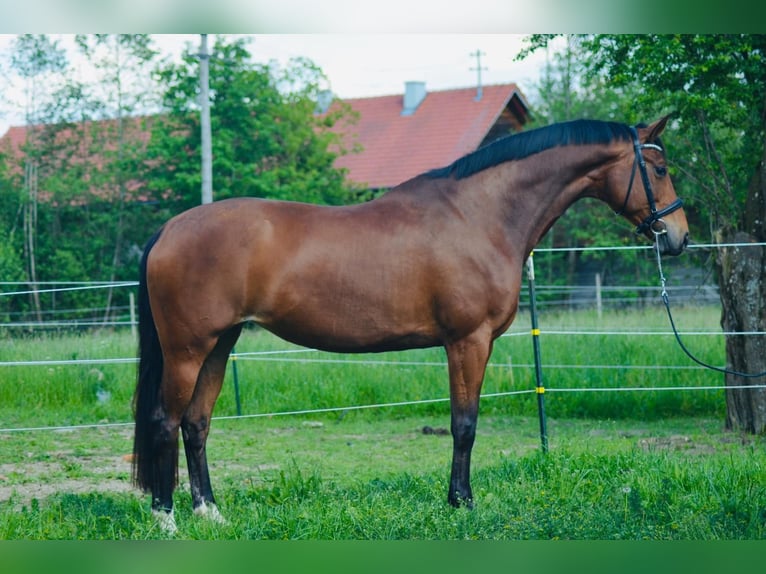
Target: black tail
146	402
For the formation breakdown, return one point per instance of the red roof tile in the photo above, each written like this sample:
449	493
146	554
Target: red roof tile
138	128
13	139
445	126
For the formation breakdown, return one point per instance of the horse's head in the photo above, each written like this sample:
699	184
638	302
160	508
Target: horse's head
641	191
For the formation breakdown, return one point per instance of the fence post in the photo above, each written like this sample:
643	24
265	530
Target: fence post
598	295
539	387
233	358
132	302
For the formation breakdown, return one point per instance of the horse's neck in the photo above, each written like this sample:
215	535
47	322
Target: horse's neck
531	194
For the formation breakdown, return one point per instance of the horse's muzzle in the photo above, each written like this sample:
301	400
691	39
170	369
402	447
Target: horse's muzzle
669	245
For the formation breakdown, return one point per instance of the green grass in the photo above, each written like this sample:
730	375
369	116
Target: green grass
622	465
365	479
89	393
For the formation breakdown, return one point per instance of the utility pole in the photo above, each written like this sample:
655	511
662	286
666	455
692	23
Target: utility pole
478	54
204	104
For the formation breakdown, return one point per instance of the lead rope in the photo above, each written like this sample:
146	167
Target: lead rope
666	301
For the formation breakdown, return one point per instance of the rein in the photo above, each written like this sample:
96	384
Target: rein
666	302
655	215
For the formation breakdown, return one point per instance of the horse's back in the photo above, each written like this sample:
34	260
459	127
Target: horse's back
384	275
316	275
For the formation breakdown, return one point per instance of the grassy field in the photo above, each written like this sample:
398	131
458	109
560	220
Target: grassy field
622	465
385	479
86	393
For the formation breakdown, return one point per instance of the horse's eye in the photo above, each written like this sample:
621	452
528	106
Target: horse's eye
661	170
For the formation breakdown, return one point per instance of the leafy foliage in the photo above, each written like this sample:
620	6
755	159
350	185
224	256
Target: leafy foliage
566	92
96	176
715	85
267	140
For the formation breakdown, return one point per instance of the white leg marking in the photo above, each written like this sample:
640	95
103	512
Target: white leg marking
166	521
210	512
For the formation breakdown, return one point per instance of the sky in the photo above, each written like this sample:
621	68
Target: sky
357	65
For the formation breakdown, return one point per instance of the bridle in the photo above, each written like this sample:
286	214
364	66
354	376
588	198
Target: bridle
650	222
654	220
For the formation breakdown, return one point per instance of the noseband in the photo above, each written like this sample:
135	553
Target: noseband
655	216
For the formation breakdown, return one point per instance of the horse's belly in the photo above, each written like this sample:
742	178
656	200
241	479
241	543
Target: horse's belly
350	327
347	343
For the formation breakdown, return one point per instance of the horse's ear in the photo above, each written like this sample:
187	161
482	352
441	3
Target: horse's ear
657	128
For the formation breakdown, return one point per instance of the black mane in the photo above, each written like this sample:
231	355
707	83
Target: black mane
525	144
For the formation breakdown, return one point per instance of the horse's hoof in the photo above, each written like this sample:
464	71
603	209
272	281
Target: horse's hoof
209	511
166	521
458	501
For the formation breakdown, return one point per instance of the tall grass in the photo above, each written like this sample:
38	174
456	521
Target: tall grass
84	393
597	482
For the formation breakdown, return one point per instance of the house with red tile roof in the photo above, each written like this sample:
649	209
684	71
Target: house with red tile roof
401	136
404	135
93	135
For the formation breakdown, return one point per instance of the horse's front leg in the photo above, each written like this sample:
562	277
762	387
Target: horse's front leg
467	361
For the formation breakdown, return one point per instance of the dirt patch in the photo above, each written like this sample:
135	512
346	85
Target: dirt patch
37	465
675	442
64	472
23	494
437	431
696	446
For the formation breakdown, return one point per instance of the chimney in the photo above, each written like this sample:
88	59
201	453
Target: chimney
414	94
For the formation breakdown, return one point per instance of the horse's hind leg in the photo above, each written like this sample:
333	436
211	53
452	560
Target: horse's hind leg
195	424
178	381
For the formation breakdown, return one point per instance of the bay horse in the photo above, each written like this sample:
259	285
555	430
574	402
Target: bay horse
435	261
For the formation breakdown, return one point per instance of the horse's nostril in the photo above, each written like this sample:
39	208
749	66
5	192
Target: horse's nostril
686	240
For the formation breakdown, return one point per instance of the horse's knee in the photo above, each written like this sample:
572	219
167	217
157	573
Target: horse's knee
464	430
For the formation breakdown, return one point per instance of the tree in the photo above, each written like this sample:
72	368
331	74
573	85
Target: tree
566	92
11	264
267	140
123	90
72	175
716	85
96	177
39	61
